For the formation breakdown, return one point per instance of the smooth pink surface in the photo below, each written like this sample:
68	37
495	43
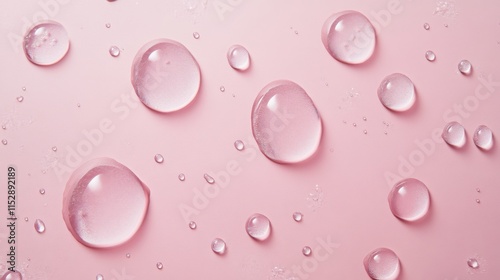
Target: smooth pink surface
350	167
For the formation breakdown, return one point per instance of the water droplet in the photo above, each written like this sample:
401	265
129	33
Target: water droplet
165	76
54	148
297	216
26	219
222	89
365	119
473	263
41	51
307	251
127	255
258	227
196	35
430	55
42	191
104	203
108	25
24	88
454	134
396	92
382	264
238	57
427	26
12	275
209	178
78	105
478	201
192	225
159	158
4	127
349	37
4	141
286	123
478	190
354	124
99	277
465	67
159	265
39	226
20	98
239	145
182	177
365	132
114	51
483	137
219	246
409	199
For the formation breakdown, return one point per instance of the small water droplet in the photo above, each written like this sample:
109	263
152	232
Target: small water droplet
159	158
4	141
42	191
483	138
26	219
478	201
385	132
39	226
427	26
127	255
20	98
209	178
382	263
196	35
307	251
454	134
258	227
222	89
42	52
365	132
365	119
114	51
12	275
296	32
478	190
446	25
239	145
473	263
238	57
192	225
430	55
108	25
465	67
181	177
159	265
24	88
99	277
396	92
409	199
54	148
297	216
78	105
218	246
354	124
4	127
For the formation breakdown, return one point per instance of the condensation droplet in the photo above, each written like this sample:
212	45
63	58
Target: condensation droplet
427	26
26	219
192	225
182	177
159	158
4	141
365	132
108	25
208	178
409	199
196	35
297	216
99	277
239	145
39	226
54	148
24	88
365	119
478	201
354	124
222	89
465	67
307	251
430	55
12	275
397	92
42	191
218	246
382	264
473	263
46	43
258	227
114	51
238	57
20	98
478	190
454	134
127	255
483	138
159	265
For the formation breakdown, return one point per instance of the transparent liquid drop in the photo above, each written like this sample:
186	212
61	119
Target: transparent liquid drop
483	138
26	219
465	67
478	201
397	92
127	255
159	158
165	76
473	263
192	225
238	57
365	119
478	190
427	26
20	98
12	275
258	227
114	51
297	216
159	265
108	25
104	203
382	264
307	251
365	132
196	35
4	141
286	123
409	199
39	226
209	178
54	148
454	134
218	246
430	55
42	191
182	177
349	37
239	145
24	88
222	89
354	124
46	43
99	277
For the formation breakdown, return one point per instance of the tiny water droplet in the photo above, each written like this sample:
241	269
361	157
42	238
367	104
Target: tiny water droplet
465	67
258	227
196	35
478	201
238	57
409	199
478	190
78	105
114	51
365	132
42	191
4	127
365	119
24	88
382	264
296	32
239	145
446	25
209	178
473	263
12	275
454	134
42	52
427	26
182	177
218	246
297	216
354	124
99	277
159	265
4	141
385	132
39	226
397	92
159	158
192	225
127	255
307	251
430	55
26	219
20	98
108	25
222	89
54	148
483	138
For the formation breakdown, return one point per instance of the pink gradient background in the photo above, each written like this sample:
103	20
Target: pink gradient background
349	165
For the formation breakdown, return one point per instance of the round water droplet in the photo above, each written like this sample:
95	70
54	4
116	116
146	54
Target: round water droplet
409	199
209	178
4	141
219	246
104	203
46	43
182	177
286	123
396	92
430	55
4	127
478	201
42	191
465	67
127	255
478	190
483	137
24	88
196	35
307	251
165	76
239	145
258	227
192	225
297	216
238	57
26	219
99	277
354	124
454	134
382	264
12	275
222	89
159	158
54	148
473	263
365	132
20	98
365	119
108	25
427	26
114	51
349	37
39	226
159	265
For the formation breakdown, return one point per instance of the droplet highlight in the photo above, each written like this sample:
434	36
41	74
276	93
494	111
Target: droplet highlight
39	226
397	92
454	134
159	265
192	225
208	178
181	177
159	158
238	57
20	98
196	35
409	199
42	191
483	138
430	55
218	246
114	51
297	216
258	227
427	26
4	141
12	275
473	263
465	67
307	251
99	277
239	145
46	43
382	264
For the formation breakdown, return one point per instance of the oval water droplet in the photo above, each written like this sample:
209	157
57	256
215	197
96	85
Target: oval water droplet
42	191
159	265
127	255
46	43
454	134
297	216
182	177
159	158
465	67
192	225
20	98
209	178
427	26
478	201
99	277
409	199
483	137
239	145
238	57
114	51
196	35
258	227
54	148
286	123
39	226
307	251
165	76
218	246
222	89
382	264
4	141
12	275
397	92
104	203
473	263
430	55
108	25
349	37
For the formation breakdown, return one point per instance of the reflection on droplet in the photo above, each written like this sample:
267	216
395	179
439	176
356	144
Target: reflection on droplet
20	98
473	263
46	43
99	277
42	191
238	57
114	51
258	227
307	251
454	134
159	158
239	145
192	225
196	35
127	255
465	67
297	216
430	55
222	89
39	226
12	275
182	177
159	265
209	178
382	264
218	246
54	148
409	199
427	26
483	137
397	92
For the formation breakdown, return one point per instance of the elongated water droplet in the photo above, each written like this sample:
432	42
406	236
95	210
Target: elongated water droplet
104	203
46	43
182	177
239	145
454	134
39	226
159	158
465	67
430	55
218	246
307	251
12	275
209	178
165	76
285	122
396	92
258	227
349	37
238	57
297	216
99	277
20	98
473	263
159	265
42	191
192	225
382	264
427	26
114	51
483	137
409	199
196	35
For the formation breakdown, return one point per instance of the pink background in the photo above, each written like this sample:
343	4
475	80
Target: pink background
349	167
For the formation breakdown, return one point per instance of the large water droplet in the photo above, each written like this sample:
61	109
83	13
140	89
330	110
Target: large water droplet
4	141
192	225
104	203
42	191
159	158
483	137
396	92
409	199
465	67
349	37
238	57
454	134
218	246
382	264
285	122
99	277
39	226
181	177
46	43
165	76
12	275
258	227
473	263
196	35
427	26
159	265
